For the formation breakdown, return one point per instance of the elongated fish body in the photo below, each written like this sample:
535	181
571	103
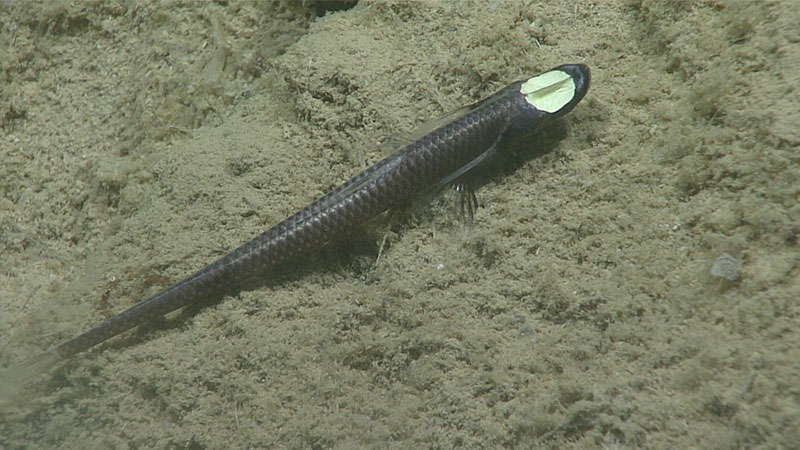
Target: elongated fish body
459	144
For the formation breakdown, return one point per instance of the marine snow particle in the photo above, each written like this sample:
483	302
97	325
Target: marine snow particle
726	266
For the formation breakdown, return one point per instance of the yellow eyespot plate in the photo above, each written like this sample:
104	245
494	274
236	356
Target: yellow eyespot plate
549	91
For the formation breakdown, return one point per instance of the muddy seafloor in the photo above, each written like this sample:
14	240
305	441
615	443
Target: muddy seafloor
140	142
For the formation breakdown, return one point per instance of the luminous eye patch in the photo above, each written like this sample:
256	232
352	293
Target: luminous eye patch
549	91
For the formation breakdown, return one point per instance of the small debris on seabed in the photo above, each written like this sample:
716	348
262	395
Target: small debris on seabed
726	266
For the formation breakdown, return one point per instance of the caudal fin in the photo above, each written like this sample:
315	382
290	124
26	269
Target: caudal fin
14	378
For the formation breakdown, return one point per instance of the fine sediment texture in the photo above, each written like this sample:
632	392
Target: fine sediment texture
580	309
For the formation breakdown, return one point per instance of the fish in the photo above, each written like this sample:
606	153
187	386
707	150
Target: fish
444	152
